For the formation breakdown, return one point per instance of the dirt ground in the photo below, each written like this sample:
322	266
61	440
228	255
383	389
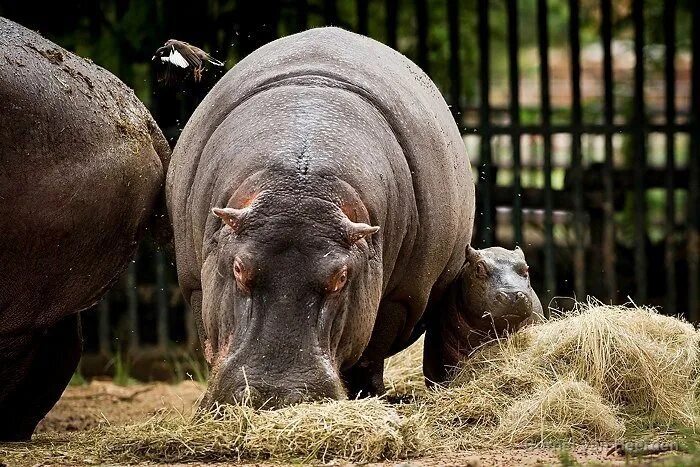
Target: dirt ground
101	402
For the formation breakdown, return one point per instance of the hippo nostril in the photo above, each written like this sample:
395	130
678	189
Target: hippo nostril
502	297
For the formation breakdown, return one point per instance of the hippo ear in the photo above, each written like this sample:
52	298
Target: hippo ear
471	252
356	231
520	252
233	217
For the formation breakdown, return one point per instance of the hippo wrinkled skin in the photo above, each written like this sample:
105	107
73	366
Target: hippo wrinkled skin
491	297
321	200
81	165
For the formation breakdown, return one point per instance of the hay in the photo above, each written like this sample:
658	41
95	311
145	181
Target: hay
403	372
366	430
583	377
591	376
567	410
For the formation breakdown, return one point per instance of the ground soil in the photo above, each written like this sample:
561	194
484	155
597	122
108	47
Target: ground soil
101	402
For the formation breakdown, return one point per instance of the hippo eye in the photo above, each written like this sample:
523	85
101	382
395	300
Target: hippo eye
338	281
524	270
241	275
481	269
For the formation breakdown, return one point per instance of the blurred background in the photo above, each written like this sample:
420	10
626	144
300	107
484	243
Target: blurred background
581	119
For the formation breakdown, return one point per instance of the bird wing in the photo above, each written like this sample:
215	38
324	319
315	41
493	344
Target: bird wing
176	58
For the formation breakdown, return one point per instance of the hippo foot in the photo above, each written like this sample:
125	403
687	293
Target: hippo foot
365	379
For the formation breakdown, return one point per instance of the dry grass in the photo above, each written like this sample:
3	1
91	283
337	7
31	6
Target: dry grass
583	377
403	372
358	431
588	376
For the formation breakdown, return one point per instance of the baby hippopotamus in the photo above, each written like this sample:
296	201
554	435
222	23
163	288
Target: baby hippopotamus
490	298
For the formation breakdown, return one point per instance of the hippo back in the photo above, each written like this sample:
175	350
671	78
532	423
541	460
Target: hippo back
81	163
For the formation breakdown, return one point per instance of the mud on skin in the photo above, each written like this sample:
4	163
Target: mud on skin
81	165
321	199
490	298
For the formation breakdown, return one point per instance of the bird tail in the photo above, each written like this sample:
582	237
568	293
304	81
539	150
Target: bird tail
214	61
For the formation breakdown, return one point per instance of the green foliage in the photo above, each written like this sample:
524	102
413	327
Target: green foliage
122	369
77	379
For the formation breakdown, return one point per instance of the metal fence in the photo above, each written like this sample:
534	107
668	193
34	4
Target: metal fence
574	185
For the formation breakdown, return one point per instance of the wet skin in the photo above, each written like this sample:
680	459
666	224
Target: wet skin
81	166
321	200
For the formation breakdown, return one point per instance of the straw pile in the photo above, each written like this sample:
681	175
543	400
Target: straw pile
595	375
358	431
584	377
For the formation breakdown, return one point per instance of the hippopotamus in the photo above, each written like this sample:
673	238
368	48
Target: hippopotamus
490	298
321	200
82	165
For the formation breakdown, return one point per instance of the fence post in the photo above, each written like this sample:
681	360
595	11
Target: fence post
549	267
515	130
162	299
485	182
576	163
639	156
694	179
609	254
132	306
670	78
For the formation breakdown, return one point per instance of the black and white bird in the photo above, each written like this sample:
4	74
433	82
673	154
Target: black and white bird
178	58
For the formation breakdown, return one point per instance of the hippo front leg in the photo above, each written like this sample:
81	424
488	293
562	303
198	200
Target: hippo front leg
366	377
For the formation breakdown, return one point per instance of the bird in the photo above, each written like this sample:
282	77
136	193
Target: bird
176	59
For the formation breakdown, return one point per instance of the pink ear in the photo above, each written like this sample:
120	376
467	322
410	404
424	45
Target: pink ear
356	231
471	252
233	217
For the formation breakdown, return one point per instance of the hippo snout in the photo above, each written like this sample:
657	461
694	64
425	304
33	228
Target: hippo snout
515	303
266	396
269	389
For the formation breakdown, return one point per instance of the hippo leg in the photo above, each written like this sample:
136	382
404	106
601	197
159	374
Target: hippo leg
38	378
366	377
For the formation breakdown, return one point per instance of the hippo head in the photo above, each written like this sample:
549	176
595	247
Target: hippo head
490	297
496	290
290	294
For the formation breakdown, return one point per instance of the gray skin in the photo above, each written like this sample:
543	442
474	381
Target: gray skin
491	297
81	164
321	199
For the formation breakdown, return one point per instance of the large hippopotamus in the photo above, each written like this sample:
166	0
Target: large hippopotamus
81	164
322	200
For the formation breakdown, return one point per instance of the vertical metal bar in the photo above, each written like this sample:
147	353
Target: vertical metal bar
639	156
514	86
103	334
455	66
302	15
609	254
694	182
670	71
132	306
576	163
422	23
485	182
543	45
363	17
392	14
162	300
